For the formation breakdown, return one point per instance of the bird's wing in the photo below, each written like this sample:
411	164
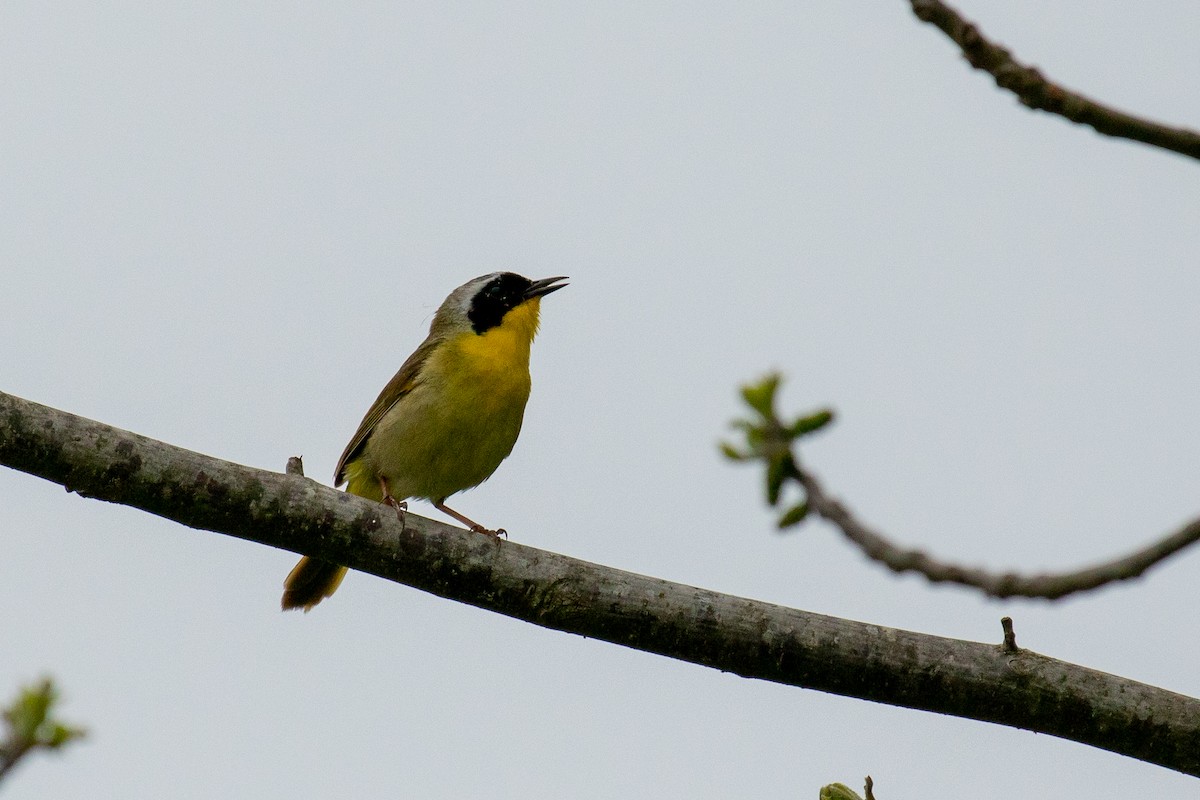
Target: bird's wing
401	384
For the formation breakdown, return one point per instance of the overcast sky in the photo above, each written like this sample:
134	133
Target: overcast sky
226	225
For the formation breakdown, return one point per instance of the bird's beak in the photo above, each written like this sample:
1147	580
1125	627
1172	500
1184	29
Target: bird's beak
544	287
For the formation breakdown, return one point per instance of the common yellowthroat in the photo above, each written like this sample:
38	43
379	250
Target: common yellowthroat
448	417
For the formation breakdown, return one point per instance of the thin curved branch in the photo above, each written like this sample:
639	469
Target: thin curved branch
750	638
1035	91
771	440
1051	586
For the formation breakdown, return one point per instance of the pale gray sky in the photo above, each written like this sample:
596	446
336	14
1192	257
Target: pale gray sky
225	226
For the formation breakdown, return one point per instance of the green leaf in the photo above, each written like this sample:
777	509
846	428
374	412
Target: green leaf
793	516
61	734
28	711
761	396
812	422
838	791
732	453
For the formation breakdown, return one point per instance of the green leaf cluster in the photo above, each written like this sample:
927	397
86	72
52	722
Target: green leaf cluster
769	439
31	724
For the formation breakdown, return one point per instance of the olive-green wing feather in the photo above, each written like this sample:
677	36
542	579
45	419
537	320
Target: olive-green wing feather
401	384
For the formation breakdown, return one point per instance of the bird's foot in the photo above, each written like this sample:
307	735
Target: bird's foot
471	524
496	534
401	507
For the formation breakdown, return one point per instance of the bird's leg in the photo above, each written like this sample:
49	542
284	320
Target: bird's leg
475	527
401	506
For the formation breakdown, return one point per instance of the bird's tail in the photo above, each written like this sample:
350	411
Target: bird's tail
310	582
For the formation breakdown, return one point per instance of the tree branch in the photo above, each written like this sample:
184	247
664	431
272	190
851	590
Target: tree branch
770	440
747	637
996	584
1035	91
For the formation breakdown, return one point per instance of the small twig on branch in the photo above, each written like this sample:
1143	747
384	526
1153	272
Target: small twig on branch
1035	91
1010	636
770	439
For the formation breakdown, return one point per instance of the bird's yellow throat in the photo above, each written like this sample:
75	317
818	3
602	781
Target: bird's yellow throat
502	349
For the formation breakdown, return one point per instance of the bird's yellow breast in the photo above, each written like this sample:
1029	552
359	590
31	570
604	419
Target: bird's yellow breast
462	417
490	371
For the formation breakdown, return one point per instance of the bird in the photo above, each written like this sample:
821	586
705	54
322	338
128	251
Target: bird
447	419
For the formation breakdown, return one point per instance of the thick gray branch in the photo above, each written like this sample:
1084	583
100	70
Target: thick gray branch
750	638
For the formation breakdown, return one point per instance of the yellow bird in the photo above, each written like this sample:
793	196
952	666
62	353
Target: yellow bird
449	416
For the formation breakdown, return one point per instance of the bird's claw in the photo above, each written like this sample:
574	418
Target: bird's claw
496	534
401	507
